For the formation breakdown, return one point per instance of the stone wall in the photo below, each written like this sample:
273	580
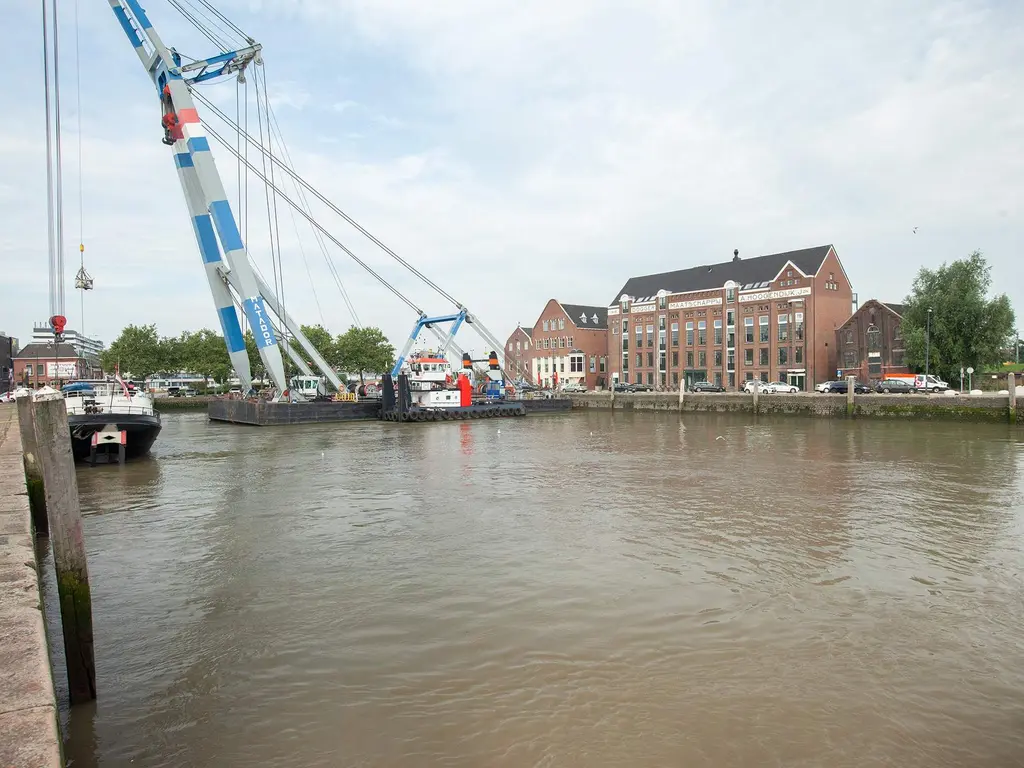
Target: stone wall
993	408
28	709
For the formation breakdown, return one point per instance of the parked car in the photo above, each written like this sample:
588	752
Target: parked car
706	386
642	388
895	386
781	388
930	383
751	384
574	388
823	387
621	387
6	397
842	387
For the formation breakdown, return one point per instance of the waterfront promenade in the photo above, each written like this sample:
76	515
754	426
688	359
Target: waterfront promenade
28	711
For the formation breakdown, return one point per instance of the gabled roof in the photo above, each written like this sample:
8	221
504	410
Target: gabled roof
747	273
527	330
46	352
899	309
587	317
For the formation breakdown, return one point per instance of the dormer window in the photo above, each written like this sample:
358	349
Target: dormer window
583	318
594	318
624	302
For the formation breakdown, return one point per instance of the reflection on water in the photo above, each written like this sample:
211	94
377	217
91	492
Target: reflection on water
566	590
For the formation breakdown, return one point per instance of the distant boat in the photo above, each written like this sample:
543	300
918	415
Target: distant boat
108	407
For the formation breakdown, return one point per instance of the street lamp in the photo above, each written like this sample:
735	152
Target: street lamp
927	345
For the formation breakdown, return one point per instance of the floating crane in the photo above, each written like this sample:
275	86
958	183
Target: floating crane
232	277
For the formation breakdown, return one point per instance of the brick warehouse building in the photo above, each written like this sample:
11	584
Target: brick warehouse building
570	345
517	354
40	364
771	317
870	342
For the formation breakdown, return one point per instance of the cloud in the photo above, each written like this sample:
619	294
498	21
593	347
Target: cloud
518	151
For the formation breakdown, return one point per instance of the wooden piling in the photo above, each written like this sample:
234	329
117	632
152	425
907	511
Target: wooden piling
33	473
682	392
851	383
756	395
1011	386
53	443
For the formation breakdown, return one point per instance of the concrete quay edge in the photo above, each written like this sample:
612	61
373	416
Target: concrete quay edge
29	732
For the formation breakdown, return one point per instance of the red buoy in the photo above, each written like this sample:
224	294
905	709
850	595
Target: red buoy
57	322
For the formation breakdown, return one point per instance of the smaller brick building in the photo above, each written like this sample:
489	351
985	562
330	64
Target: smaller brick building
40	364
518	350
570	346
870	344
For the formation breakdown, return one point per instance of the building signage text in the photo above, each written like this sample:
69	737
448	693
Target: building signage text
772	295
695	303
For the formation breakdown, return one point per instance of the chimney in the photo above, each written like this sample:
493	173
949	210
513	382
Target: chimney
736	254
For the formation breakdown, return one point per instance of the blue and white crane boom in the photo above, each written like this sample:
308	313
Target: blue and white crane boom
212	220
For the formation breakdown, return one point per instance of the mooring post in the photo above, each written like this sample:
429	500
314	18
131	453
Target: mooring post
756	394
33	473
612	398
851	382
53	442
682	393
1011	385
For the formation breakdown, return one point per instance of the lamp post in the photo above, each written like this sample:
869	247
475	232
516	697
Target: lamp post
927	345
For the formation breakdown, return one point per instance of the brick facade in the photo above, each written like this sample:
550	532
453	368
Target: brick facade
567	349
517	354
870	342
771	318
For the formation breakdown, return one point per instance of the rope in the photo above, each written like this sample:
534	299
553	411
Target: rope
408	302
319	196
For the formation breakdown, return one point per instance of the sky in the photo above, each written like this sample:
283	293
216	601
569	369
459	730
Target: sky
518	150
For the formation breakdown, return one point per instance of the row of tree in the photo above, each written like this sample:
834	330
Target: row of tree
966	327
141	351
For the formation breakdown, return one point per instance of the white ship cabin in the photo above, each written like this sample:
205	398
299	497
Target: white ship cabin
432	369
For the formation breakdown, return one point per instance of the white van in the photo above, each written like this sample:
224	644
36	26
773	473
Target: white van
924	383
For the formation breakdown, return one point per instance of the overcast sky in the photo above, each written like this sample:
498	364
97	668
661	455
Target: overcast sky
518	150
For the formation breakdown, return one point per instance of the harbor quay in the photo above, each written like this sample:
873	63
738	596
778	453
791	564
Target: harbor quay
29	733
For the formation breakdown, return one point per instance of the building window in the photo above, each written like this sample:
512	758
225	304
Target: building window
615	330
850	358
639	335
702	332
561	323
702	359
593	363
897	357
675	379
575	363
798	355
675	334
762	356
748	376
783	355
518	349
661	362
718	379
675	359
764	376
748	327
730	295
625	363
763	327
570	342
546	361
689	359
650	334
624	306
689	334
783	328
546	325
896	331
561	342
730	360
650	379
545	343
874	339
718	358
561	366
730	317
663	302
661	340
849	337
639	359
650	359
798	329
718	333
748	356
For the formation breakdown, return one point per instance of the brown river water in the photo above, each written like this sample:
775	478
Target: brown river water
574	590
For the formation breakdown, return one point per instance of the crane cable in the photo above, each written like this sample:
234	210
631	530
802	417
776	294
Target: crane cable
405	299
81	195
276	129
319	196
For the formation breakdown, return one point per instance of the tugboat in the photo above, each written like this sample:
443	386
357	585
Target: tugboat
429	390
111	414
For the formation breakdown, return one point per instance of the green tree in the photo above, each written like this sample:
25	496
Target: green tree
172	358
205	353
322	342
364	350
967	328
135	352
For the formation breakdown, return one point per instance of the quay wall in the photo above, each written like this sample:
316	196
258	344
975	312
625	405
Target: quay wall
29	732
990	408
